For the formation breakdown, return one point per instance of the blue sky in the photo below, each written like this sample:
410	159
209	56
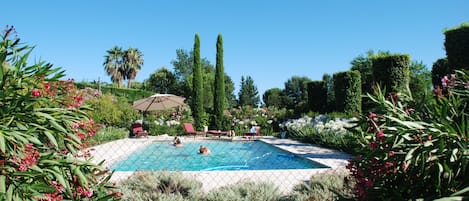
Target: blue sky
269	40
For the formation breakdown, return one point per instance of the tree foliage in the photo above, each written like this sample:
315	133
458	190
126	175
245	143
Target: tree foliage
296	92
219	98
248	94
183	69
123	65
273	98
197	87
162	81
420	81
440	69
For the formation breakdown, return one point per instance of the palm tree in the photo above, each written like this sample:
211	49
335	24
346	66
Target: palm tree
133	61
113	64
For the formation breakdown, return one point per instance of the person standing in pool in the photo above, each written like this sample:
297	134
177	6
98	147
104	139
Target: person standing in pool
204	150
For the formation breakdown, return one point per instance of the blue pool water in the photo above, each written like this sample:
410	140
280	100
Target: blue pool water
226	155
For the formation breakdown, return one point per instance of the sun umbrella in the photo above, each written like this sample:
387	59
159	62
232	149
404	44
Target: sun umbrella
158	102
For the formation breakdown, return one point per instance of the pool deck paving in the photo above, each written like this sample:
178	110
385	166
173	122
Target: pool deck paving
285	180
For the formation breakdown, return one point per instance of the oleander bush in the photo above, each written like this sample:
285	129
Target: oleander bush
42	129
409	153
160	185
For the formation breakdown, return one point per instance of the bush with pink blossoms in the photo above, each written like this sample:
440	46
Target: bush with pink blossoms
414	151
42	127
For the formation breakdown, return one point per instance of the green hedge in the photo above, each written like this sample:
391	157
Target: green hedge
347	88
457	47
317	96
439	69
130	95
391	72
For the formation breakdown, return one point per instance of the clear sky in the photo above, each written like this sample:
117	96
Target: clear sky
269	40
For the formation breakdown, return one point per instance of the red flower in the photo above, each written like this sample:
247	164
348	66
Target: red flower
380	135
373	146
36	93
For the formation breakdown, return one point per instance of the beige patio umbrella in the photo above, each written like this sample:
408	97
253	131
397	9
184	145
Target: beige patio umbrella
158	102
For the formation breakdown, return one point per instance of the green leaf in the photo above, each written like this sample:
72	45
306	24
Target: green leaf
2	184
81	178
453	155
410	154
453	198
51	138
10	192
461	192
57	126
2	142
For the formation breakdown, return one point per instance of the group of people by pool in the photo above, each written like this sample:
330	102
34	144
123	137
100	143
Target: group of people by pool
202	150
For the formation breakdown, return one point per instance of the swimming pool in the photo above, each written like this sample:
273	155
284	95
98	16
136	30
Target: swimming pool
226	155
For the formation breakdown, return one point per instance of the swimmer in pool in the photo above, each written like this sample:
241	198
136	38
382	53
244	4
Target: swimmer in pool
177	142
204	150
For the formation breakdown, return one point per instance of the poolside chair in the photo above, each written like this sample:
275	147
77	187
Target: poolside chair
189	130
137	130
217	133
256	133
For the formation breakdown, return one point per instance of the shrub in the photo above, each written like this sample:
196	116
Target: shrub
411	154
392	72
245	191
329	186
322	130
42	127
347	89
112	111
457	47
317	96
106	135
160	185
242	118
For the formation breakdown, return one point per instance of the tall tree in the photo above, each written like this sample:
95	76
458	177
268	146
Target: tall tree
248	94
183	70
113	65
162	81
197	103
330	100
420	85
133	61
296	90
219	96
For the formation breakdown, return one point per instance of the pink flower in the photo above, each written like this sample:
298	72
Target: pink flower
380	135
36	93
372	115
373	146
84	192
391	153
75	125
81	135
444	81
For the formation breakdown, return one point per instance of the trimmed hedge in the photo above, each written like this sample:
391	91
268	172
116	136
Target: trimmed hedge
347	88
391	72
317	96
457	47
439	69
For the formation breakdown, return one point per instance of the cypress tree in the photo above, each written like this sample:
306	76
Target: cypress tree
197	90
219	97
